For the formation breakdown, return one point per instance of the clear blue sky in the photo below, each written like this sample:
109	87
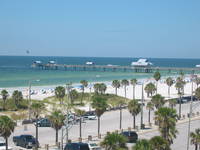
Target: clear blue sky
109	28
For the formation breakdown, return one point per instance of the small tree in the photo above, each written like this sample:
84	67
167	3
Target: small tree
57	120
142	144
17	97
4	95
133	83
125	83
80	113
73	95
60	93
114	141
37	108
197	93
134	108
172	103
99	103
7	126
159	143
84	85
195	138
157	77
150	89
116	85
169	82
150	107
158	101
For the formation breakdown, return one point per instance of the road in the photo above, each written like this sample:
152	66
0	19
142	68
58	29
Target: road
109	122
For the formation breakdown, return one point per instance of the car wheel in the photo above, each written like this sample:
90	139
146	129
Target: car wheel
26	146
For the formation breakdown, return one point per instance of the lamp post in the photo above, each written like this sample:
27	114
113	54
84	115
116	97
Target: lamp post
142	100
190	113
29	96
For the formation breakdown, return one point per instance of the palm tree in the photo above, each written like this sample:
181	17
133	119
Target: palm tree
60	93
4	95
133	83
125	83
73	95
180	88
37	108
7	126
197	81
158	101
57	120
150	89
142	144
150	107
167	118
197	93
84	85
120	103
169	82
195	138
114	141
157	77
17	97
99	104
134	108
159	143
80	113
172	103
116	85
102	88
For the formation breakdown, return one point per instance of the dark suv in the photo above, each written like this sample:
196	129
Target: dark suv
76	146
131	136
44	123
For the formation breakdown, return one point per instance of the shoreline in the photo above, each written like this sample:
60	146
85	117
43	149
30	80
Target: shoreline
42	92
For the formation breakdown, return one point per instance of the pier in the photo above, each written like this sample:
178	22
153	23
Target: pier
113	68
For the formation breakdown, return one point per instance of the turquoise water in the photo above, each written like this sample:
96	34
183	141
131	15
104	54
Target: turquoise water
15	71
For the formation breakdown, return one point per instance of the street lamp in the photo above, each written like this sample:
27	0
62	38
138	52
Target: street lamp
29	96
190	113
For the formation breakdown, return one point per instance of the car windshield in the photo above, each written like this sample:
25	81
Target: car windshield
29	137
84	147
93	144
2	144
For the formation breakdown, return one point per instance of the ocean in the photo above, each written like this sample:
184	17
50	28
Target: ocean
16	71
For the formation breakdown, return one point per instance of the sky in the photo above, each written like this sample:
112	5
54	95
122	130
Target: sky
100	28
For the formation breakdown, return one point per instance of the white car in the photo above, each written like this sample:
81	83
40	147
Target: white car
90	117
93	146
3	145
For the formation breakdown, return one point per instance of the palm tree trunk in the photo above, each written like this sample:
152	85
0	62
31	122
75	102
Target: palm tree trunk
133	92
149	116
6	143
120	118
115	91
180	107
196	147
168	91
98	126
156	87
80	129
4	103
56	136
125	90
36	135
82	96
133	121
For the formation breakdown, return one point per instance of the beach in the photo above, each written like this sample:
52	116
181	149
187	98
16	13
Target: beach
41	92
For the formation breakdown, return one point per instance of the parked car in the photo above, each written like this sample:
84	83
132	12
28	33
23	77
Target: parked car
76	146
90	115
3	145
94	146
44	123
28	121
132	136
26	141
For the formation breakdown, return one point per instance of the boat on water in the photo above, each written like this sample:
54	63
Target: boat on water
142	63
89	63
198	66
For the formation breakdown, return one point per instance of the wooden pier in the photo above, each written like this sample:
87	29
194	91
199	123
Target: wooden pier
112	68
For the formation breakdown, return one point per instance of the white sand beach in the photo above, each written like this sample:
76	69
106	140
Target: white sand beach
41	92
